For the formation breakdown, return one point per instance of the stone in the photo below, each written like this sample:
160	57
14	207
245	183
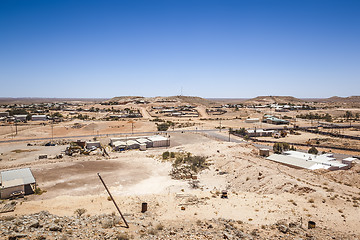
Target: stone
34	224
282	228
55	227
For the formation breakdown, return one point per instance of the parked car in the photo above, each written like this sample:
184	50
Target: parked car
17	194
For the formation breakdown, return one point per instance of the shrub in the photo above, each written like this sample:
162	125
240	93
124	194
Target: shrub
39	191
163	126
165	155
280	147
313	150
159	227
80	211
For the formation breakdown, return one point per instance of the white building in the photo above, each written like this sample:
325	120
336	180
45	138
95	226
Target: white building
308	161
39	118
252	120
16	180
20	117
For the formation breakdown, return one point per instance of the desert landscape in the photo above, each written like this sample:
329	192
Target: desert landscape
208	181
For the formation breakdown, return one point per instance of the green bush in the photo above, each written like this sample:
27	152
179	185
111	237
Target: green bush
163	126
165	155
280	147
313	150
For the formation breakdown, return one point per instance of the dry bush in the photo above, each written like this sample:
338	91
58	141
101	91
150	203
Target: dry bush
80	211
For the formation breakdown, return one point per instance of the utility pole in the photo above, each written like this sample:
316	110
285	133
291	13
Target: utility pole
16	132
52	131
132	126
229	136
220	124
127	226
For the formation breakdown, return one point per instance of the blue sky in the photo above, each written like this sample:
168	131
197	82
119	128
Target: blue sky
235	49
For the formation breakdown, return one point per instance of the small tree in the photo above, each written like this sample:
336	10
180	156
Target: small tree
162	126
165	155
277	148
280	147
313	150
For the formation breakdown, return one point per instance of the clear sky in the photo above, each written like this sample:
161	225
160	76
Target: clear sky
223	48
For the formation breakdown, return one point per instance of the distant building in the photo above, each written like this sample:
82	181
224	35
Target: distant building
274	120
16	180
135	142
20	117
39	118
4	114
252	120
259	133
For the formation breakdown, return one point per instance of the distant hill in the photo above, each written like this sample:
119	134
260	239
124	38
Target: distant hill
228	100
47	100
194	100
273	99
125	98
336	99
178	99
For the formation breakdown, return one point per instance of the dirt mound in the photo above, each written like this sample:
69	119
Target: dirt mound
349	177
91	126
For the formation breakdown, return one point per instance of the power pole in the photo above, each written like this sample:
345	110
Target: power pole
220	124
112	199
52	131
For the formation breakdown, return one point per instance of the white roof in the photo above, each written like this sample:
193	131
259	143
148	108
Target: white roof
119	143
322	161
259	130
131	142
143	140
13	183
308	156
284	159
38	116
352	159
157	138
23	173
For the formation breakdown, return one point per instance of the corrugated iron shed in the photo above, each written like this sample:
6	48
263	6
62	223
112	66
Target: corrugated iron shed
23	173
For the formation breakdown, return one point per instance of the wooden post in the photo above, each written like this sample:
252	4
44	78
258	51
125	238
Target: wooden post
127	226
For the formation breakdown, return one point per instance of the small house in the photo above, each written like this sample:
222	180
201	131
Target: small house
16	180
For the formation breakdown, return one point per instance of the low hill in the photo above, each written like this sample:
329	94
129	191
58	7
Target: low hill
336	99
178	99
125	98
47	100
273	99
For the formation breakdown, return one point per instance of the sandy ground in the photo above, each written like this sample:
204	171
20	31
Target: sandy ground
260	191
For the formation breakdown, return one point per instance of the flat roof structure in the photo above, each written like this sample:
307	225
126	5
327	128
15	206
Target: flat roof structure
293	161
308	161
23	173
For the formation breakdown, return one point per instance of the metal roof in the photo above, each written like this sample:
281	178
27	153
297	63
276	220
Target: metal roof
143	140
297	162
23	173
12	183
157	138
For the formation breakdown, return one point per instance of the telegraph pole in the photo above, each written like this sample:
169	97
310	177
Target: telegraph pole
220	124
52	131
